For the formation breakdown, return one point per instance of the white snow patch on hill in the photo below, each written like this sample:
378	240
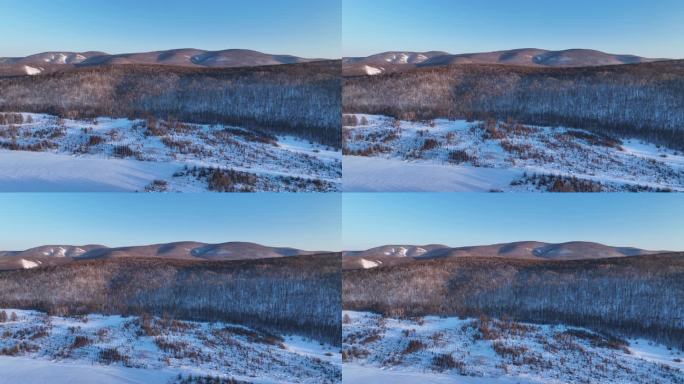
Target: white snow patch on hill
367	264
372	70
55	252
32	70
28	264
399	252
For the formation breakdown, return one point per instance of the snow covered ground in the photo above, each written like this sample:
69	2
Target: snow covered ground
115	349
31	371
376	174
383	154
45	153
437	350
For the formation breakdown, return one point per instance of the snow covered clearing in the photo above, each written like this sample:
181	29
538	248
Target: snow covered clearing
384	154
41	152
23	171
376	174
115	349
439	350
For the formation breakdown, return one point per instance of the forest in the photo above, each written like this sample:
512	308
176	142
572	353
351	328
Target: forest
632	296
299	99
298	294
640	100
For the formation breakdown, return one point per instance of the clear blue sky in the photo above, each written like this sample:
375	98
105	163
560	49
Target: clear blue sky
649	221
309	28
652	28
306	221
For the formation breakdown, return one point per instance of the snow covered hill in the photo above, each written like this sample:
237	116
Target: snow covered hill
384	154
477	351
181	57
41	152
52	255
531	57
390	255
114	349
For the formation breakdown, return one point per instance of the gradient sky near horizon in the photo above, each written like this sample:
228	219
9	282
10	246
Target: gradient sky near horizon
308	28
647	28
306	221
645	220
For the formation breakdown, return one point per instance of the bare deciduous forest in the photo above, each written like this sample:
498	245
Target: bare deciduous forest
642	100
300	99
635	296
299	294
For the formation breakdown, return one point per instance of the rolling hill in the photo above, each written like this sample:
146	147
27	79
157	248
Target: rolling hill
51	255
397	61
48	62
527	250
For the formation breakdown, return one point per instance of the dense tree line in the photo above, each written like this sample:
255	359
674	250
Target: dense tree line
299	99
298	294
639	296
644	100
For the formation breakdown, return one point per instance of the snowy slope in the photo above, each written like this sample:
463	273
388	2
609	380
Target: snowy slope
45	153
441	350
114	349
23	171
32	70
376	174
383	154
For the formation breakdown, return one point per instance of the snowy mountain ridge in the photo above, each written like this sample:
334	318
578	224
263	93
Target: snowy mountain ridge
182	57
186	250
397	61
